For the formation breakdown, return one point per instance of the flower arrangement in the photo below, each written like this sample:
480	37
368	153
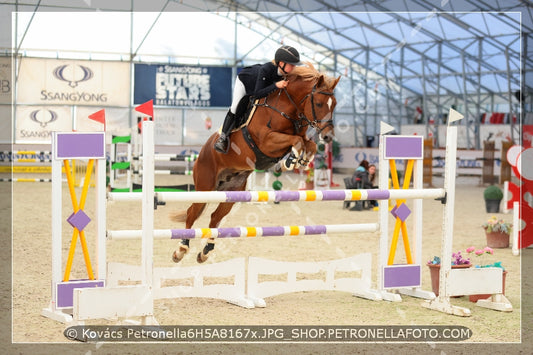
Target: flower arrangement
482	254
457	259
310	175
497	225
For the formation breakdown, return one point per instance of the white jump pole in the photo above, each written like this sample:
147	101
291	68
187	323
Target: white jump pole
249	232
449	209
148	186
516	227
442	302
282	195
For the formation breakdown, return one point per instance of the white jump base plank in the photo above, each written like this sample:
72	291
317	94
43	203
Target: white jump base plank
114	302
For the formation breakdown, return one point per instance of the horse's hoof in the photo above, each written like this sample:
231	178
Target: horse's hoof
201	257
177	255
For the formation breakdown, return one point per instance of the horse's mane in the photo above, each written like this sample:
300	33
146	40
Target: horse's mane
307	72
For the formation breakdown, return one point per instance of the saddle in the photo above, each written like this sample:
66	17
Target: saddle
245	112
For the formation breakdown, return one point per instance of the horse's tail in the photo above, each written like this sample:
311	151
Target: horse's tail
179	216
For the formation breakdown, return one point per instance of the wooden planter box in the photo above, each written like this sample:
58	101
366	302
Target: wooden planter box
434	271
475	298
473	281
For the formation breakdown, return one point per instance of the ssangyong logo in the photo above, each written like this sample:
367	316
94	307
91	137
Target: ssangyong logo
74	76
43	117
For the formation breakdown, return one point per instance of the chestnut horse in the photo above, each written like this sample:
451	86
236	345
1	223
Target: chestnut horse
278	127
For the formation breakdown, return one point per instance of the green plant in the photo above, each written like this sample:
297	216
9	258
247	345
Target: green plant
335	148
482	254
493	192
497	225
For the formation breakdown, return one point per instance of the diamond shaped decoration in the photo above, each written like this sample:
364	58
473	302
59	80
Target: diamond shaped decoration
402	212
393	211
79	220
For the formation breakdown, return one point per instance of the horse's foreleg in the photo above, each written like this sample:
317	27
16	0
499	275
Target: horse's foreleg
193	212
308	154
220	212
291	161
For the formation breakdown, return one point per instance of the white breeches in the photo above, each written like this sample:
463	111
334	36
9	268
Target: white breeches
238	93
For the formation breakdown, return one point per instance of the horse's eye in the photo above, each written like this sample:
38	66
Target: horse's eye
319	105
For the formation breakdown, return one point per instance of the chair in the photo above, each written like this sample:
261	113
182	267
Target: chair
349	184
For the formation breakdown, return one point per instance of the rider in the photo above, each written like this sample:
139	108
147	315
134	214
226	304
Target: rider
258	81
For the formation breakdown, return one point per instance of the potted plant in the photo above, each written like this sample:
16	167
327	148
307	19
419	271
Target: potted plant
481	255
458	261
498	232
493	196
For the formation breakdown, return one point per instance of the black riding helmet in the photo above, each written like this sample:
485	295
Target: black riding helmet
287	54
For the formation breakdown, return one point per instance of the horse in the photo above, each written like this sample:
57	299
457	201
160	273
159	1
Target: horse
277	129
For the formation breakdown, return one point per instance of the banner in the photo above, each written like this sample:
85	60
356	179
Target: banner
73	82
168	128
6	84
117	120
201	124
178	85
35	124
6	120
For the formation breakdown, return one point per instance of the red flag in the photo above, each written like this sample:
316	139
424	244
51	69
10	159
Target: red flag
98	117
147	108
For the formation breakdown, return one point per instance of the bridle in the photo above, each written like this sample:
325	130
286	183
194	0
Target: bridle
315	122
302	121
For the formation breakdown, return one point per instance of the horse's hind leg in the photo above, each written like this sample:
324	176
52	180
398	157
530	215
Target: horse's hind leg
178	254
193	212
228	180
220	212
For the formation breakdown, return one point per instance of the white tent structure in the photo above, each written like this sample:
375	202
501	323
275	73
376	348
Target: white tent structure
403	62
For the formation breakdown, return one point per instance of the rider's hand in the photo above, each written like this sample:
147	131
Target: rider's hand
282	84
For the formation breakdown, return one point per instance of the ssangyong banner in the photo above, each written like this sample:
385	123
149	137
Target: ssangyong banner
73	82
181	85
35	124
6	84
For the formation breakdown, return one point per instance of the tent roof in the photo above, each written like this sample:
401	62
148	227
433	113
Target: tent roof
421	46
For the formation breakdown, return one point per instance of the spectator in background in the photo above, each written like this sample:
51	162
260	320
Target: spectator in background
371	177
364	177
361	174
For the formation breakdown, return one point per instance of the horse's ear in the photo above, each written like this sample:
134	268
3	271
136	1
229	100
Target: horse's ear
336	82
320	81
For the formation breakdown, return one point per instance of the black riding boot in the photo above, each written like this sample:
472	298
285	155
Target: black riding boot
221	144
